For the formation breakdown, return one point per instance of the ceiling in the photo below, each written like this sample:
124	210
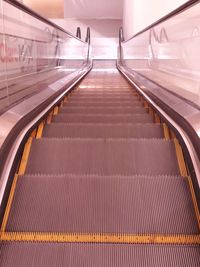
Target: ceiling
47	8
91	9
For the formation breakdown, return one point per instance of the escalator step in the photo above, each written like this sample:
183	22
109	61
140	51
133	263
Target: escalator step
102	94
103	118
105	110
109	100
97	98
90	255
84	130
96	204
104	104
106	90
103	156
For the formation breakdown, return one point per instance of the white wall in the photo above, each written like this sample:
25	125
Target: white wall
138	14
104	34
90	9
128	18
106	28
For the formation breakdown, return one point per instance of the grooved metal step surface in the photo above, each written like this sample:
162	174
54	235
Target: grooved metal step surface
101	110
103	118
104	104
90	255
136	205
103	99
122	94
92	130
106	90
102	156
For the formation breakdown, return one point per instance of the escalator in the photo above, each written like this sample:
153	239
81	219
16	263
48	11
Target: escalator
102	182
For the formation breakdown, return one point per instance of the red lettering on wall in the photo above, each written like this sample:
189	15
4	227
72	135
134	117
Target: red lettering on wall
8	54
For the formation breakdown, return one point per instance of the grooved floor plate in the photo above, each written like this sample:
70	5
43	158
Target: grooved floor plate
103	156
129	205
99	255
105	110
103	118
83	130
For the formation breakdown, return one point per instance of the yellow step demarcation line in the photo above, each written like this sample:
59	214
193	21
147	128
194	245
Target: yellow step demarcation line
22	167
157	118
56	110
151	111
65	99
184	173
25	156
145	104
9	203
182	167
34	133
194	200
40	130
49	118
180	157
21	171
61	104
166	131
99	238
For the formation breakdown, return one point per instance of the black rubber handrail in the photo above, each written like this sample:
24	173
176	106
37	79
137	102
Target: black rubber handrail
121	35
87	39
78	33
175	12
39	17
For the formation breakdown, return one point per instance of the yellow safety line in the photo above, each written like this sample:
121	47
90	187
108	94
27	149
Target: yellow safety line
166	131
33	134
172	134
40	130
184	173
180	157
145	104
55	110
99	238
49	118
194	200
151	112
9	203
25	155
61	103
141	98
157	118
